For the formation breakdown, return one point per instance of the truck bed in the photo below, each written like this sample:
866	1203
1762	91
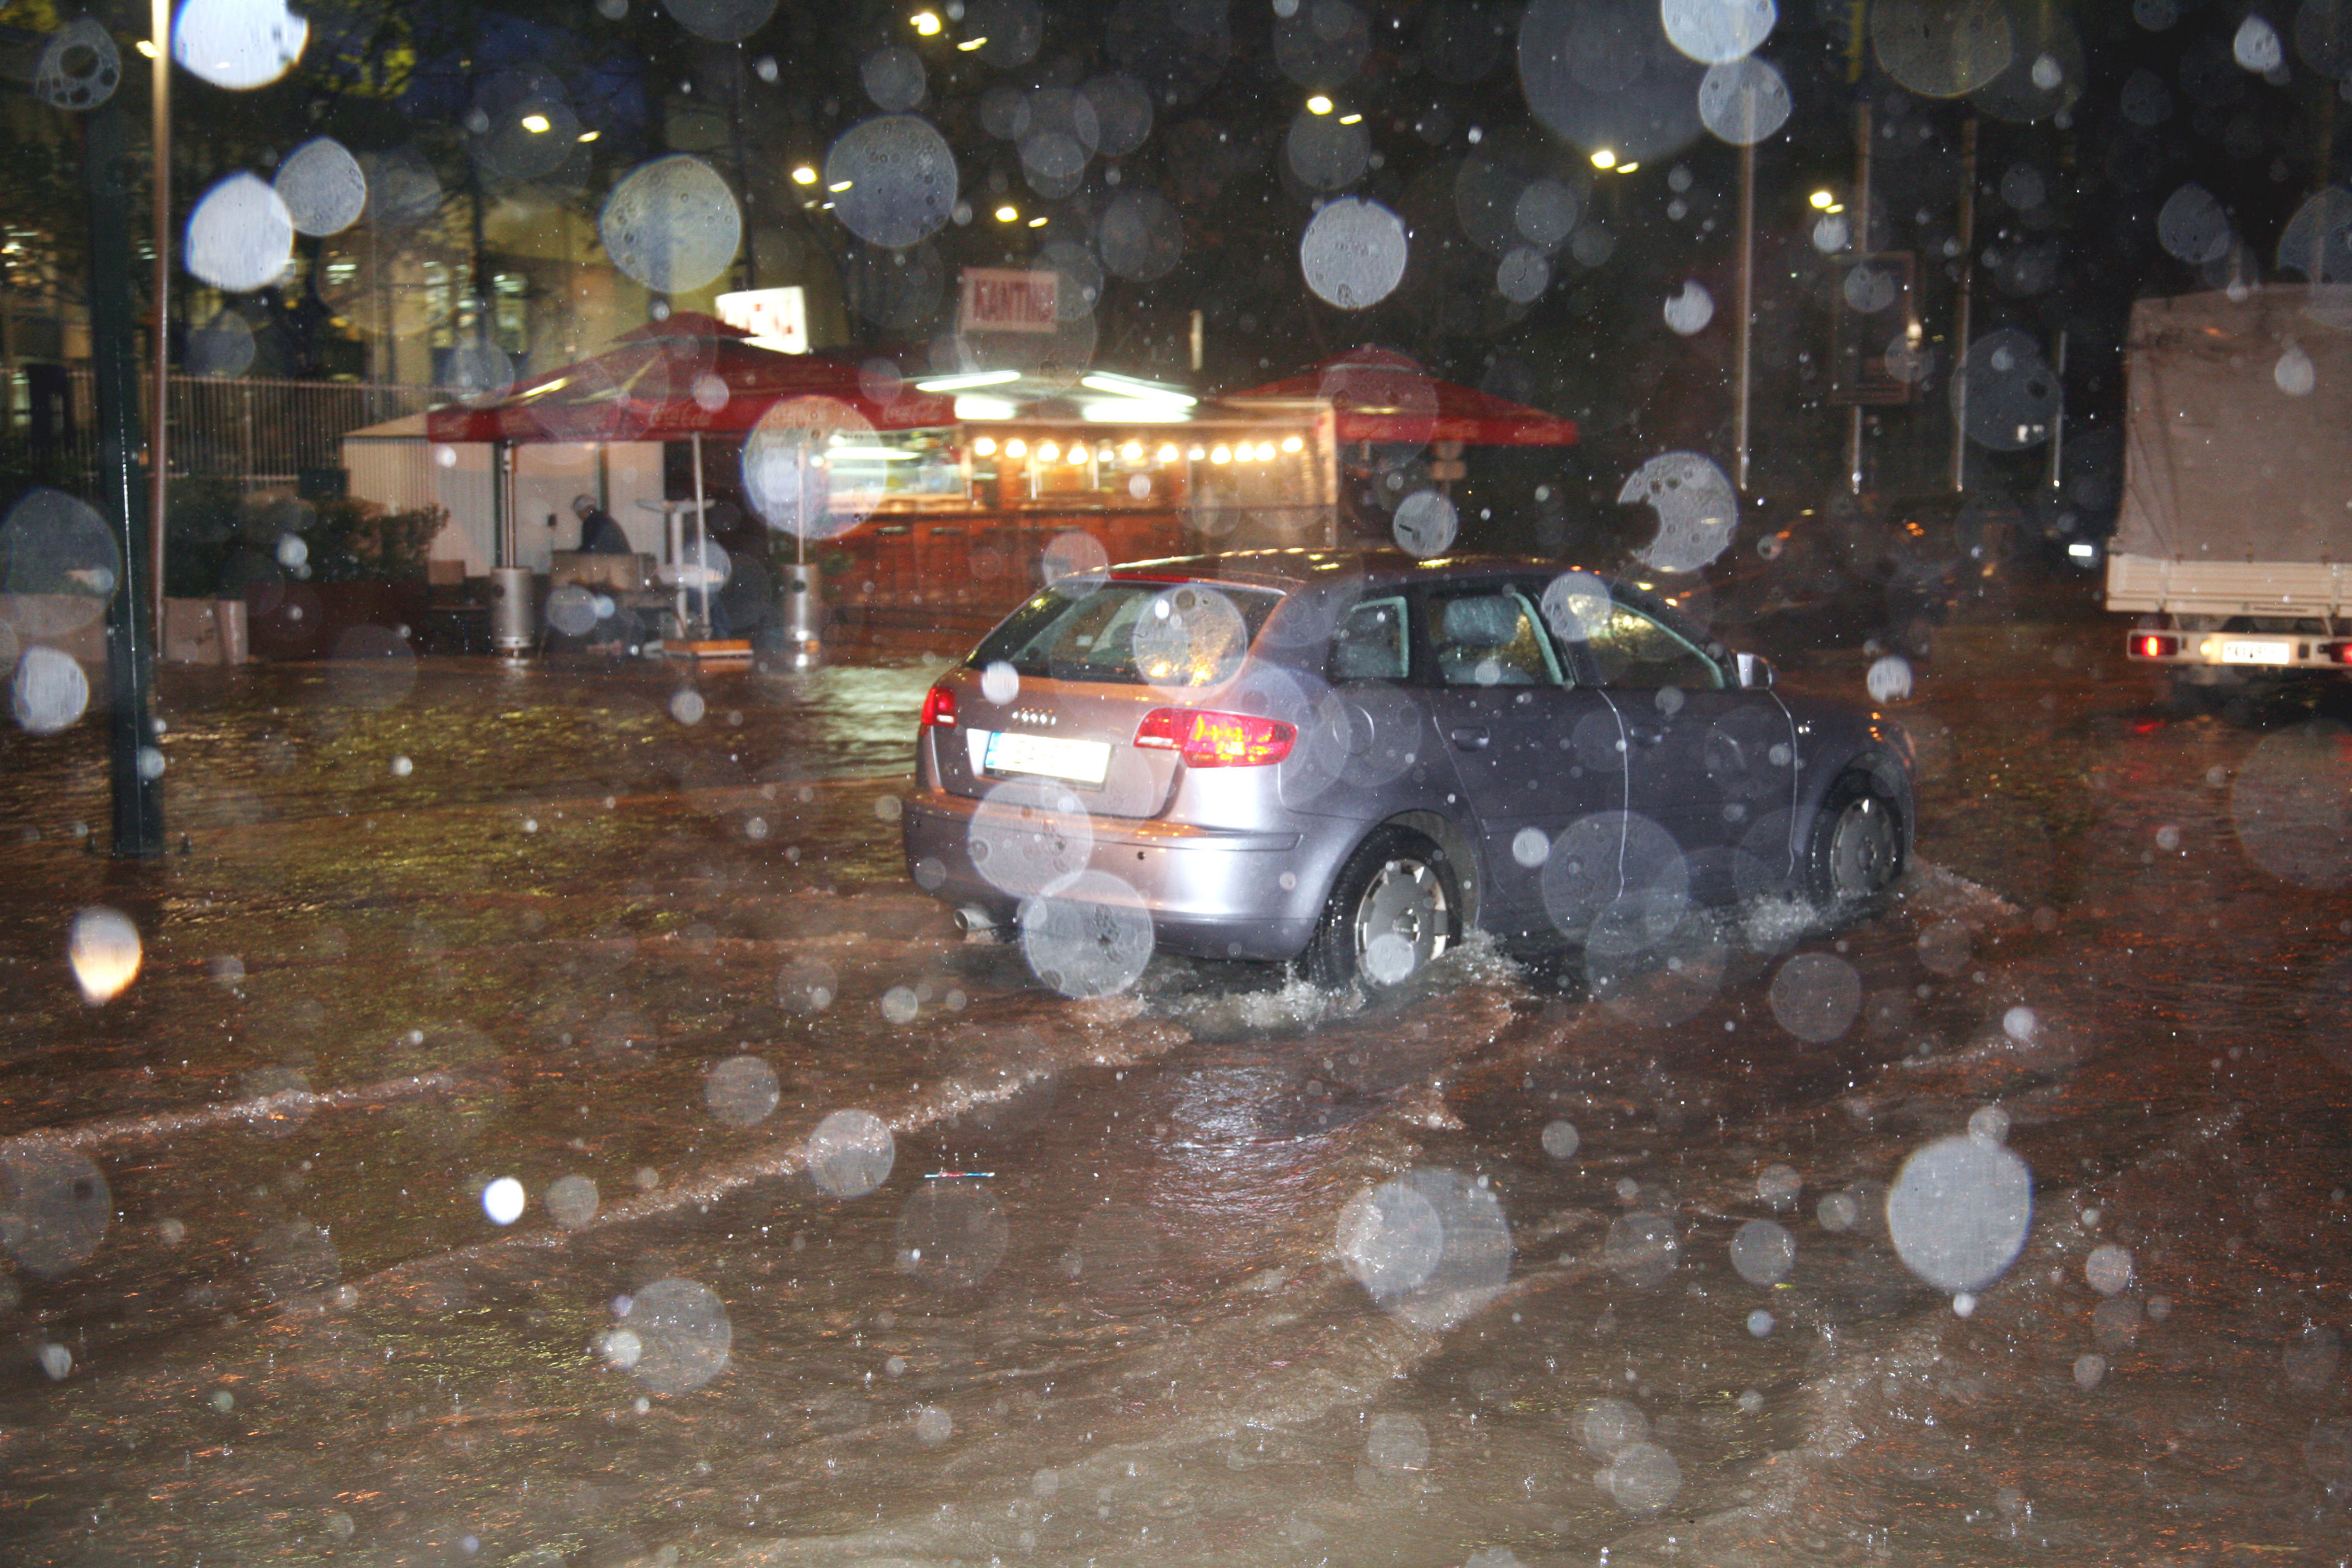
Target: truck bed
2225	470
2285	590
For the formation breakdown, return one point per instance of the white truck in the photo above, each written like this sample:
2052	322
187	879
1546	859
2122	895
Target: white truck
2234	542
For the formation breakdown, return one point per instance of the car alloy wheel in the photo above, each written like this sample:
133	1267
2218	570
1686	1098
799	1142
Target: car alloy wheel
1402	920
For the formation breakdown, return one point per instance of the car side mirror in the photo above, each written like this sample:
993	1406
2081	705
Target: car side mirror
1755	672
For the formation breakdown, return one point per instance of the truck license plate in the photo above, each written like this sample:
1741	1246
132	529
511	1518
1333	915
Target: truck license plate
1050	756
2252	650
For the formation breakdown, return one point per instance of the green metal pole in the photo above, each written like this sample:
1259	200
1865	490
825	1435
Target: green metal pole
130	630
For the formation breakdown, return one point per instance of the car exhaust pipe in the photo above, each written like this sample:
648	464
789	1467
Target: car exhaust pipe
977	924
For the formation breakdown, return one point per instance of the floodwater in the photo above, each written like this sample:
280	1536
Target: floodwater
1220	1271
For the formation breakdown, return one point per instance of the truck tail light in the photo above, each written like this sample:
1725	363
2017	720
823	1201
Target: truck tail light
1207	739
939	708
2154	645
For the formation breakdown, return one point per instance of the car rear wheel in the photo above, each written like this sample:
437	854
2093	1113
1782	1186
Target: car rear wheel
1393	911
1856	852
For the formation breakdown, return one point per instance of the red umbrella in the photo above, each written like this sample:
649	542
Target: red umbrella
1378	394
690	375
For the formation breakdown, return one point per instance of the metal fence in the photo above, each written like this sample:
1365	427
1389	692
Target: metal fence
254	430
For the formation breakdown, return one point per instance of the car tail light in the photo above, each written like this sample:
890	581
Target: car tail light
939	708
2336	652
2154	645
1206	738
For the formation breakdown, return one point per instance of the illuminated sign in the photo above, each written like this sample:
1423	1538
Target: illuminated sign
996	300
776	318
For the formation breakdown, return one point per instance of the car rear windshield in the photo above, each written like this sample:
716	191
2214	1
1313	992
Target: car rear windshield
1130	633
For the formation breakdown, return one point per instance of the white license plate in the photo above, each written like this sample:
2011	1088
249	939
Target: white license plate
2251	650
1047	756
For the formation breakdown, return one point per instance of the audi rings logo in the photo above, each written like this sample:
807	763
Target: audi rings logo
1042	717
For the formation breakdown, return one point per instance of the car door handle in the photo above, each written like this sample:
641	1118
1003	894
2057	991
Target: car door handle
1471	738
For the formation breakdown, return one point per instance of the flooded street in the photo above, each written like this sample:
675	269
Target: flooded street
841	1240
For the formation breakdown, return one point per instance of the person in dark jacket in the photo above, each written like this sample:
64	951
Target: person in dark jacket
599	533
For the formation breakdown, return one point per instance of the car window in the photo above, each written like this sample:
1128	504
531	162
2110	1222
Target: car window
1636	650
1491	637
1370	643
1128	633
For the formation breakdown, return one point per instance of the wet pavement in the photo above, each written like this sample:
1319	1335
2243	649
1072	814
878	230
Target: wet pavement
1223	1270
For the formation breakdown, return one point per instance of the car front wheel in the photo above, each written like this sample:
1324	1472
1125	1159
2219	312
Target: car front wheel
1392	910
1856	852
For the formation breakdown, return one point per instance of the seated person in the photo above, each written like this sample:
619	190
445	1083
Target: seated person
600	534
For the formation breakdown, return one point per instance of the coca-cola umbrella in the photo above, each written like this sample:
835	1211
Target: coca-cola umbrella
683	378
1380	395
691	374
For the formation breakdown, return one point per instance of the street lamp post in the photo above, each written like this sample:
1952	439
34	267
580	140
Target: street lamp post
159	438
130	629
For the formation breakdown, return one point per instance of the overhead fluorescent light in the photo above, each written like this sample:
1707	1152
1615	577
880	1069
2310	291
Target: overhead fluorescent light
966	381
1133	411
1129	387
970	407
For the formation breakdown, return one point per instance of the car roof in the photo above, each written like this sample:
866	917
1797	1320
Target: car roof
1353	571
1294	568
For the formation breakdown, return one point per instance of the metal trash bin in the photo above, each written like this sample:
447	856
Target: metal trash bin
236	632
804	620
514	610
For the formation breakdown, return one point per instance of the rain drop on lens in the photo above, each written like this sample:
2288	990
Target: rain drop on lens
850	1153
742	1091
240	236
672	225
1959	1210
105	953
322	185
1690	311
503	1201
238	44
1353	253
48	691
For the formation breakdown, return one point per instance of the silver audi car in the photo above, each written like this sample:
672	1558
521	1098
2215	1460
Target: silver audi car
1347	758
